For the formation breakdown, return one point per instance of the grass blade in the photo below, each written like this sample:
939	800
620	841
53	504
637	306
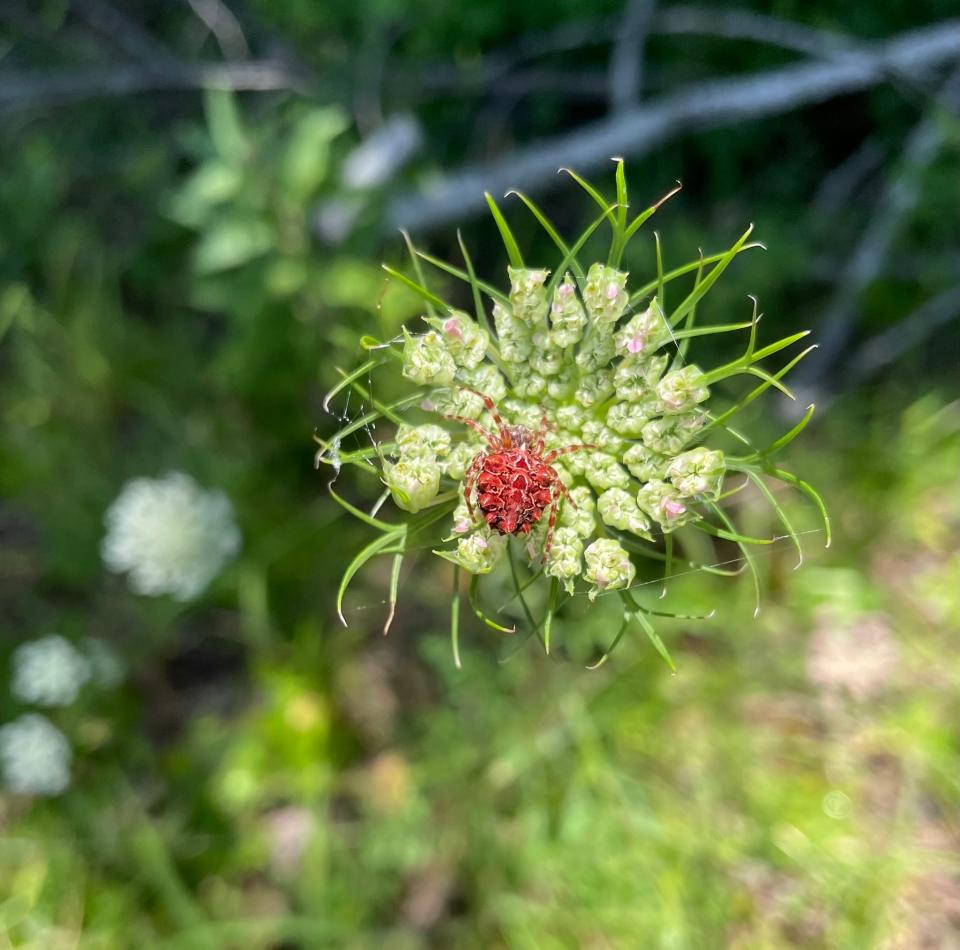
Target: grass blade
455	619
432	300
781	514
509	241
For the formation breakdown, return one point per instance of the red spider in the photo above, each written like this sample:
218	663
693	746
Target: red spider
515	481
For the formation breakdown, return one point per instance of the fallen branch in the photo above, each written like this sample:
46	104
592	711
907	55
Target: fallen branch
640	130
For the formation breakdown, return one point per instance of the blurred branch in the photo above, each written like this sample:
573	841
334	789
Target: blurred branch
225	28
885	348
25	90
868	260
640	130
627	56
838	185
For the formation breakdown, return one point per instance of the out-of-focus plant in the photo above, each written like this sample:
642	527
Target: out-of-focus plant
579	423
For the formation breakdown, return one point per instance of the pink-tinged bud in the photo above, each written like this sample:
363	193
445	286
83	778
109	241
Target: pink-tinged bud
427	406
481	542
451	326
672	508
461	527
612	291
565	290
600	580
636	343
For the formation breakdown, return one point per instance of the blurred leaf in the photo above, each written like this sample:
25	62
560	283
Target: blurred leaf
210	185
231	243
306	162
226	129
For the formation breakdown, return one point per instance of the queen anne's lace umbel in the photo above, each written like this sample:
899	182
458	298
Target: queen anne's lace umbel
616	460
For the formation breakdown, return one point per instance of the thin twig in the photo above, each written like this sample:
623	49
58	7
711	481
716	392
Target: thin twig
224	26
698	106
25	90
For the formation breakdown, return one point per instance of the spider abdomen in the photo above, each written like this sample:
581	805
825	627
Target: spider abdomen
513	489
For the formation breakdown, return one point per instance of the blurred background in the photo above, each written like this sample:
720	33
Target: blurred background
195	198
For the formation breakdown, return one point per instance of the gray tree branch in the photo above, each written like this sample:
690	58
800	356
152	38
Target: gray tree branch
698	106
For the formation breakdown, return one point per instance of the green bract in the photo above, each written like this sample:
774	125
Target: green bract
600	354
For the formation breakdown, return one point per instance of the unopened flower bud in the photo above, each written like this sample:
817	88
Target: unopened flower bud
571	417
564	560
669	435
528	296
629	418
619	509
608	566
479	552
644	463
595	388
567	316
422	442
462	522
605	294
580	518
605	439
461	455
455	402
530	384
643	333
665	505
414	483
514	337
682	389
604	472
636	379
596	350
563	385
427	361
545	359
465	340
486	379
698	472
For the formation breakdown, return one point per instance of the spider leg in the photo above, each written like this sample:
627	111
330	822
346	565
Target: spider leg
498	420
473	424
545	427
560	493
470	480
566	450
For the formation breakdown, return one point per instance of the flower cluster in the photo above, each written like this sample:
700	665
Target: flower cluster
586	371
169	535
50	672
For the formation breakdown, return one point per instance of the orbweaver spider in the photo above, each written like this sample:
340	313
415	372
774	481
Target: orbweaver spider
515	482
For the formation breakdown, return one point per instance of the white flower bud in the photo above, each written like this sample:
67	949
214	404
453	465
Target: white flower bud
644	463
529	384
636	379
426	360
571	417
486	379
608	566
698	472
669	435
528	296
665	505
454	402
643	333
564	560
618	508
596	351
567	316
595	388
546	360
422	442
479	552
562	385
605	294
465	341
604	472
629	418
683	389
513	336
413	482
605	439
580	518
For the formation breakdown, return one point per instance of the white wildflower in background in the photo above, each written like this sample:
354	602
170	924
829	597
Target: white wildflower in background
169	535
48	672
34	756
105	667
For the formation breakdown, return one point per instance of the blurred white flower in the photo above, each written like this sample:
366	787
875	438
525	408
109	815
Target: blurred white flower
170	535
858	657
49	671
34	756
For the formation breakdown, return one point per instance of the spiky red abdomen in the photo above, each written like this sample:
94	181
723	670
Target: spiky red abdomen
513	489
